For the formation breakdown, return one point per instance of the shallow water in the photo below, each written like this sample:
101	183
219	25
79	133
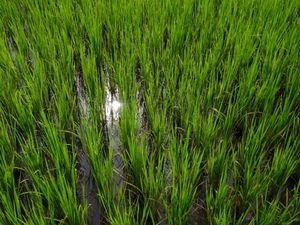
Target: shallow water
112	109
85	178
86	187
82	97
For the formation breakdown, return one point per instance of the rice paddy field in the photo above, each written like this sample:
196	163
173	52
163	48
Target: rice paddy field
138	112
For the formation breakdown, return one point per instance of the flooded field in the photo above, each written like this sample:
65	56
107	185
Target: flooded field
149	112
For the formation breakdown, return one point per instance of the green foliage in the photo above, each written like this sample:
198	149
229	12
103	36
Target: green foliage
208	129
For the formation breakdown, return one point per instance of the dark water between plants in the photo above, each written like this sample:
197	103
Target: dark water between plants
111	111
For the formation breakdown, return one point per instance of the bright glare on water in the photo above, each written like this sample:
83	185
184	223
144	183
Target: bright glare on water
115	105
112	107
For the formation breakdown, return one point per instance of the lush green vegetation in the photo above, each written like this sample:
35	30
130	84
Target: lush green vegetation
209	125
